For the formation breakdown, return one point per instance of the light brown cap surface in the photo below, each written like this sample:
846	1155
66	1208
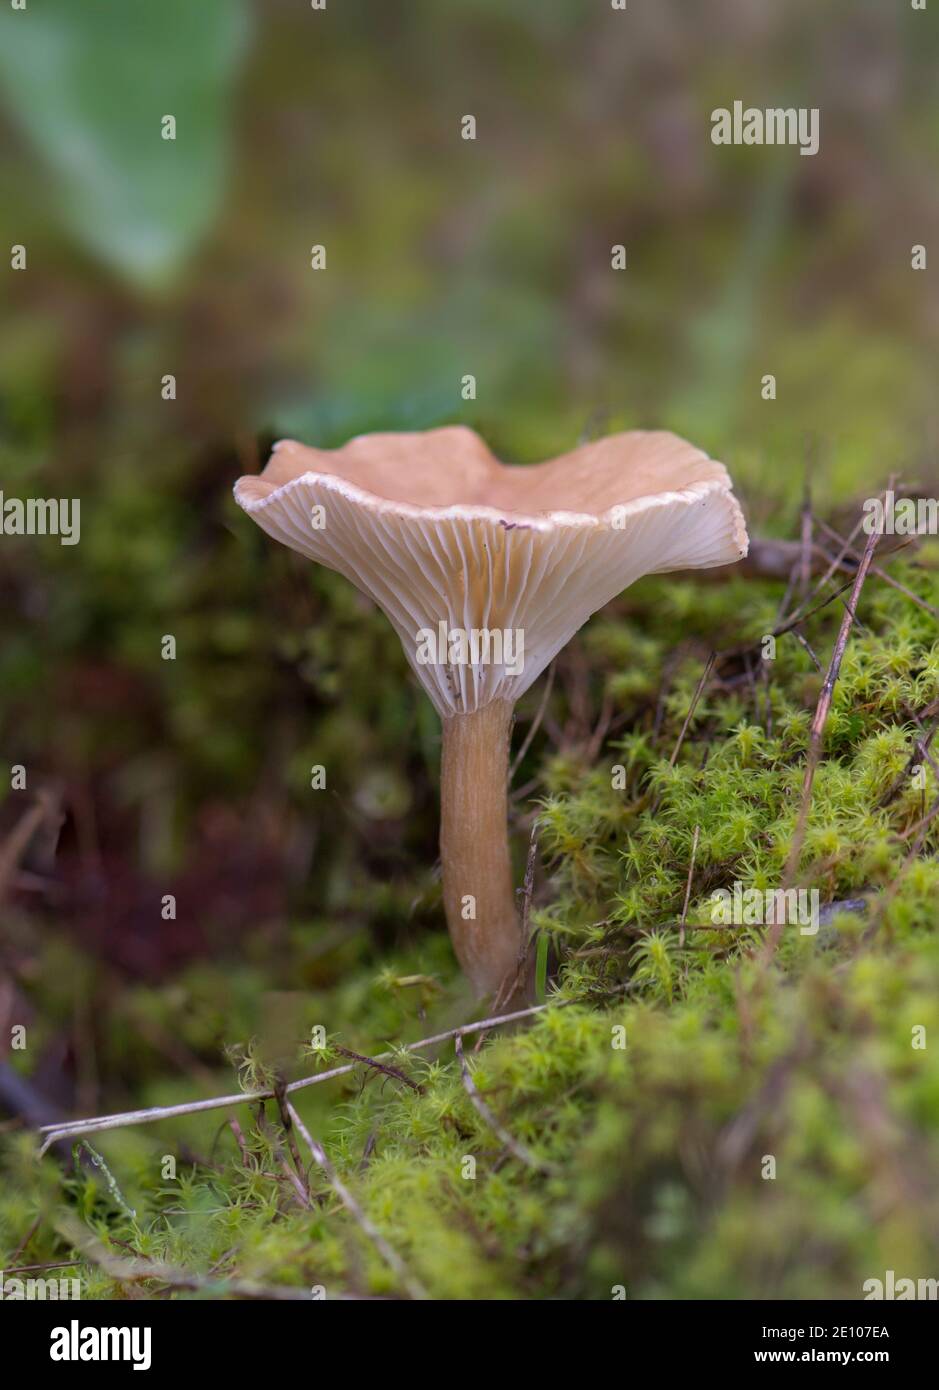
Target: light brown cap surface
435	529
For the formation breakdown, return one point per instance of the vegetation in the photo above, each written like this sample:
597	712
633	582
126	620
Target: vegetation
639	1157
646	1151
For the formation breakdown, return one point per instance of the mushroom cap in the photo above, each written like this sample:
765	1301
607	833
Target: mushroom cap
436	530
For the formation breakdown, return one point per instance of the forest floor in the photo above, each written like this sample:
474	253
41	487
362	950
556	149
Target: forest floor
692	1107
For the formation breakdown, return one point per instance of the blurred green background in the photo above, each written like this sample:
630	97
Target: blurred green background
444	257
192	257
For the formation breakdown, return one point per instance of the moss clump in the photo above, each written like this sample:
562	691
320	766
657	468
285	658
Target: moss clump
700	1118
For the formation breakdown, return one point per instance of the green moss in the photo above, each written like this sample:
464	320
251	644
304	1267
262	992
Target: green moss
652	1157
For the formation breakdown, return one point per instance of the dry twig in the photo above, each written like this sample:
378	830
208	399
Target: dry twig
376	1065
391	1257
821	717
53	1133
482	1109
684	910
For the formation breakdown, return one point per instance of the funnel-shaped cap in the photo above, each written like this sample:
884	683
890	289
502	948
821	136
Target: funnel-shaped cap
450	543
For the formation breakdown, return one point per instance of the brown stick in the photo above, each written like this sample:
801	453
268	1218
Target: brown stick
17	842
133	1271
928	736
388	1254
684	910
378	1066
821	715
699	691
876	569
482	1109
770	558
65	1129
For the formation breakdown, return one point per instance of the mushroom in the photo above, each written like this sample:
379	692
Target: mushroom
486	571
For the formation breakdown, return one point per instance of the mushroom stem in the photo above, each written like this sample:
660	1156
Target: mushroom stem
474	845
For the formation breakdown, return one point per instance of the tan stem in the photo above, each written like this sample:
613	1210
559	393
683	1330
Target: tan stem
474	845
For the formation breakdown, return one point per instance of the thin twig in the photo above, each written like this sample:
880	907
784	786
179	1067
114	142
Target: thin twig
34	1269
901	776
803	643
296	1176
684	911
922	747
367	1152
482	1109
17	1253
132	1271
296	1182
379	1066
17	842
786	599
236	1130
699	691
155	1113
391	1257
601	731
832	566
876	569
797	619
821	715
921	825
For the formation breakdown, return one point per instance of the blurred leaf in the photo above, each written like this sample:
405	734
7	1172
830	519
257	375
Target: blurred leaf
90	84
